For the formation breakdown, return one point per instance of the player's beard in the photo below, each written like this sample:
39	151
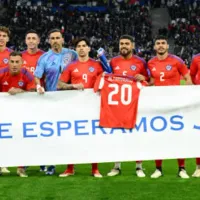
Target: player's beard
56	46
125	53
162	52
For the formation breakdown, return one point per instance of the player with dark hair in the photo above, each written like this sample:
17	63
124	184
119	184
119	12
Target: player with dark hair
4	51
166	70
128	64
50	65
84	71
32	53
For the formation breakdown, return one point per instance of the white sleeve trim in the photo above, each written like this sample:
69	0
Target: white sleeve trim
101	83
139	85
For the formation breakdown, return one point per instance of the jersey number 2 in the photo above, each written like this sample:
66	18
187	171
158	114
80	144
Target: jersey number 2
124	88
162	74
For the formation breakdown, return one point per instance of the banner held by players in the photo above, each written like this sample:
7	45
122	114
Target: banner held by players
62	128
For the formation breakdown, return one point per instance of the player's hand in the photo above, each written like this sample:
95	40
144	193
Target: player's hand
78	86
140	77
40	89
14	90
104	73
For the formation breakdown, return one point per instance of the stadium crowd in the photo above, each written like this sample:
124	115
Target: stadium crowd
184	27
102	28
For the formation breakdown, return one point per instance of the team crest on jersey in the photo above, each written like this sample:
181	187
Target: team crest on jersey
67	58
91	69
168	67
133	67
5	60
20	83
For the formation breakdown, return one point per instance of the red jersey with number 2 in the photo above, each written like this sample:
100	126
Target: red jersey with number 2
168	71
119	101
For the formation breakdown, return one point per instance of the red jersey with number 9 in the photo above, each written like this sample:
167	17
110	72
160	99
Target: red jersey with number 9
119	101
82	72
168	71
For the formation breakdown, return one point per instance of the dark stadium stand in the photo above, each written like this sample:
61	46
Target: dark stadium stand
185	27
101	24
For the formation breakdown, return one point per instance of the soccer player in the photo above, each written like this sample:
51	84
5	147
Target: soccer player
32	53
50	65
195	75
128	64
15	79
83	71
4	57
166	70
4	51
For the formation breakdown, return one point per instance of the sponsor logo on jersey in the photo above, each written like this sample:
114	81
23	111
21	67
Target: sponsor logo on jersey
91	69
168	67
5	83
154	69
20	83
67	58
76	70
5	60
133	67
117	68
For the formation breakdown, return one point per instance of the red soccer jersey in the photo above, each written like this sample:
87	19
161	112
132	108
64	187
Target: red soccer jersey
119	101
4	57
24	80
82	72
129	67
30	60
168	71
195	69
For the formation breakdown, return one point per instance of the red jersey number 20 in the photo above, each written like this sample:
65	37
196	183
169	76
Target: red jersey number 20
123	90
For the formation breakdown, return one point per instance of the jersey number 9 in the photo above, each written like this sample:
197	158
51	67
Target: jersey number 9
85	78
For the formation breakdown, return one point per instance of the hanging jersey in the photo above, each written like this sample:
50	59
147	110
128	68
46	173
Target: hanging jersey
119	101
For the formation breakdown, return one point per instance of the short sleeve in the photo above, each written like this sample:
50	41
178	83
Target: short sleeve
39	71
182	68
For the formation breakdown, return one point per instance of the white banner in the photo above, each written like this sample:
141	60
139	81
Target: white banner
62	128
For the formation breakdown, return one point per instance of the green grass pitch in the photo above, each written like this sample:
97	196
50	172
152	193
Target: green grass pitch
82	186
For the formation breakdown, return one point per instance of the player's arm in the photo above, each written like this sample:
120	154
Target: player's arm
193	70
39	71
143	76
14	90
151	81
65	86
188	80
150	78
185	73
65	78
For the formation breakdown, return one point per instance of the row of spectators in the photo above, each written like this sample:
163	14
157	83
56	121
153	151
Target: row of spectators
184	27
102	28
